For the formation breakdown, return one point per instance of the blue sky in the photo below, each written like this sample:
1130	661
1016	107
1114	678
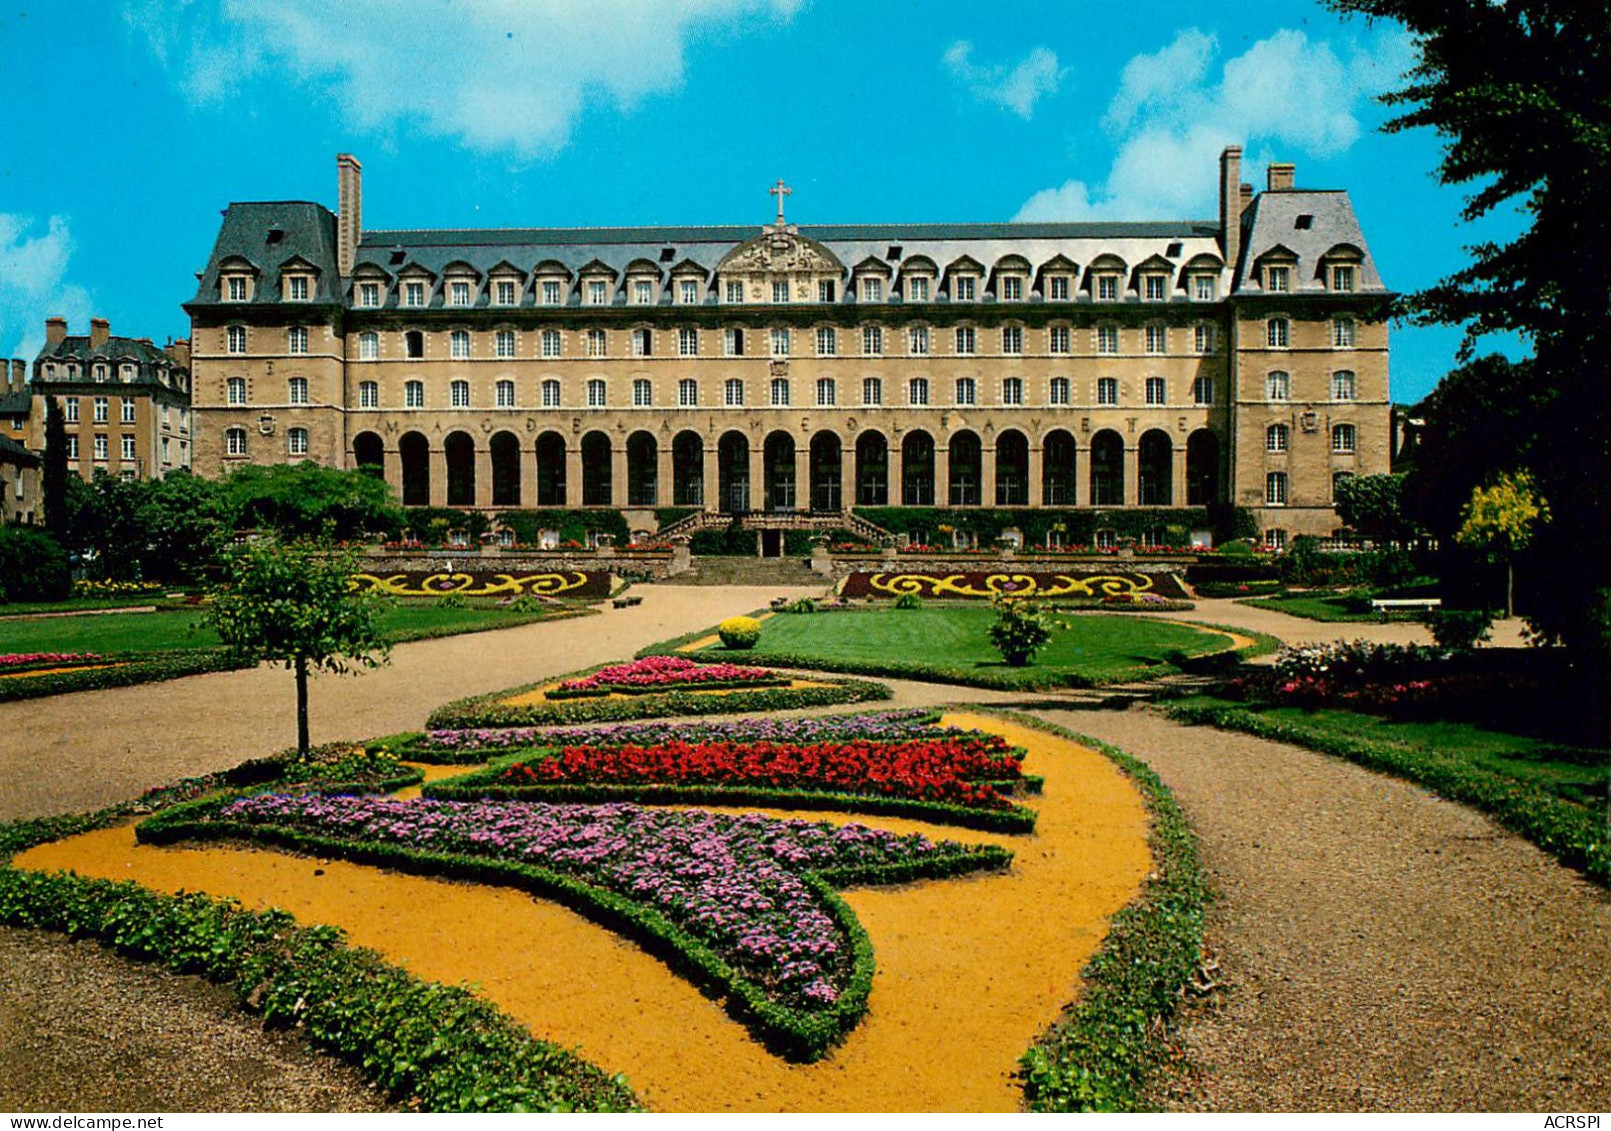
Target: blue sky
130	123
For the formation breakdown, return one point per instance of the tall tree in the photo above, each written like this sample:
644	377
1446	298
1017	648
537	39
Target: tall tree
288	603
54	473
1520	91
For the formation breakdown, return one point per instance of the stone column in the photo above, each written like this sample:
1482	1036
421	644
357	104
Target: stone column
681	557
895	474
483	476
1177	468
847	477
1132	476
757	499
573	474
618	474
1036	475
436	460
391	461
987	476
664	491
942	475
802	477
713	480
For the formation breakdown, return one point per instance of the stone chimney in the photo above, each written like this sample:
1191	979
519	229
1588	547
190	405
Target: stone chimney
100	332
19	374
1281	175
349	210
178	350
55	330
1230	208
1245	192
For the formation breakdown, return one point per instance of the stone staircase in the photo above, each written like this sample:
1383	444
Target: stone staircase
749	571
779	520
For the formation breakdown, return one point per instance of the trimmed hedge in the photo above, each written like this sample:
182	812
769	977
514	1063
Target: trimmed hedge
131	668
791	1033
485	784
1080	524
1575	835
490	711
1099	1055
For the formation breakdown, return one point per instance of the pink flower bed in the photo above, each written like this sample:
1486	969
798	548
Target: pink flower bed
664	673
33	659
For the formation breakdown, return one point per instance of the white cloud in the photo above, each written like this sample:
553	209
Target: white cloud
500	75
34	284
1015	88
1170	118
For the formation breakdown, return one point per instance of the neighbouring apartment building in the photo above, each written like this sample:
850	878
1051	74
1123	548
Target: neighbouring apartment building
784	368
125	402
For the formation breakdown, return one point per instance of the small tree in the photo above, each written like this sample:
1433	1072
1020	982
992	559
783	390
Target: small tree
289	603
1020	630
1373	505
54	473
1500	521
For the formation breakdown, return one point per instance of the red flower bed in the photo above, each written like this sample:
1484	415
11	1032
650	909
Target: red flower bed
664	673
958	771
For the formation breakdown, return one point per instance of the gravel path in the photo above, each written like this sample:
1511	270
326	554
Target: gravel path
1383	949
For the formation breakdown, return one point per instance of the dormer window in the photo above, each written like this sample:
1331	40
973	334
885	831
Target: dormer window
1203	288
552	292
689	292
459	293
966	288
504	292
296	288
780	290
369	294
827	291
100	371
1342	277
642	292
1057	288
1012	288
1107	288
1154	288
872	290
1278	280
917	289
735	291
235	288
598	292
414	293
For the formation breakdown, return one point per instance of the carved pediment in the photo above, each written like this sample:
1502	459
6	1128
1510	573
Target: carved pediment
773	251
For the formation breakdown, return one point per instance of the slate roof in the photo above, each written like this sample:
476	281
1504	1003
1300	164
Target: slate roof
19	403
249	231
148	357
13	452
1273	221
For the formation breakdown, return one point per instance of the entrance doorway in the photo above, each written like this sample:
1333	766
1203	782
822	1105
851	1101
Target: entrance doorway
771	543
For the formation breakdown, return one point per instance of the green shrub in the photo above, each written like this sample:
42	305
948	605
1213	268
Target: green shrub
908	601
33	567
803	605
1020	630
739	632
452	601
1460	629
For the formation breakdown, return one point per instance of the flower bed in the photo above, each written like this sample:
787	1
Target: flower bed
495	710
16	662
985	584
958	778
122	670
663	673
742	903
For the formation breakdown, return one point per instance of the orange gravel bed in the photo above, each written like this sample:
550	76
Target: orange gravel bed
969	970
59	671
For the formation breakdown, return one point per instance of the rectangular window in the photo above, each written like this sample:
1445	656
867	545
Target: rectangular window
550	343
1275	333
872	340
368	394
1057	287
369	294
642	292
1275	489
1012	339
967	391
369	346
1058	339
780	290
733	392
1202	391
414	293
688	342
1342	278
460	393
1277	280
235	393
1060	390
1012	390
299	288
72	447
505	291
1012	288
297	443
689	289
100	410
642	393
687	393
550	394
733	342
1277	387
459	344
126	411
872	290
872	391
1156	391
505	394
917	341
1107	390
299	390
128	449
827	392
826	291
780	391
1154	287
965	288
237	289
100	447
459	293
1202	288
414	394
827	341
917	391
1342	334
551	292
642	343
966	340
1107	288
780	343
504	343
917	289
1276	437
1107	339
735	291
1342	438
298	339
595	394
596	343
70	407
598	292
1156	338
237	339
1202	338
1342	385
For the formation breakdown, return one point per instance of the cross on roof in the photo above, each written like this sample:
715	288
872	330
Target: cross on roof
780	190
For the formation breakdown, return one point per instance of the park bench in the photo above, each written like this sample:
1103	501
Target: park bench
1386	605
626	602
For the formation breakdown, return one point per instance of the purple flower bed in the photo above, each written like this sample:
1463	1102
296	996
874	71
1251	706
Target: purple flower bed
884	726
737	884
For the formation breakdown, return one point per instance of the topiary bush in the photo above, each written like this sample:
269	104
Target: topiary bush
1460	630
739	632
908	601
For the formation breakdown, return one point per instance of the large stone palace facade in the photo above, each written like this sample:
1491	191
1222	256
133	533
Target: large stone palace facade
783	368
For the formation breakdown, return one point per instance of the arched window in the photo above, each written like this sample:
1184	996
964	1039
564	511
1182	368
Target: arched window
1342	385
550	343
368	394
1342	438
642	393
596	394
1157	338
414	394
234	441
687	393
460	392
1277	437
1278	386
733	392
827	392
298	342
504	343
298	390
1157	391
297	441
1275	489
414	343
872	391
1202	391
1277	332
1342	333
459	344
967	391
235	390
550	394
368	346
506	394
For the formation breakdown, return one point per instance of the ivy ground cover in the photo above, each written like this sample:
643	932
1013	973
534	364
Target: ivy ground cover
743	904
663	673
909	766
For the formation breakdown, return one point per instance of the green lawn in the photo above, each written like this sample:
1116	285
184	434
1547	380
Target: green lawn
952	645
1575	775
1327	605
164	631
